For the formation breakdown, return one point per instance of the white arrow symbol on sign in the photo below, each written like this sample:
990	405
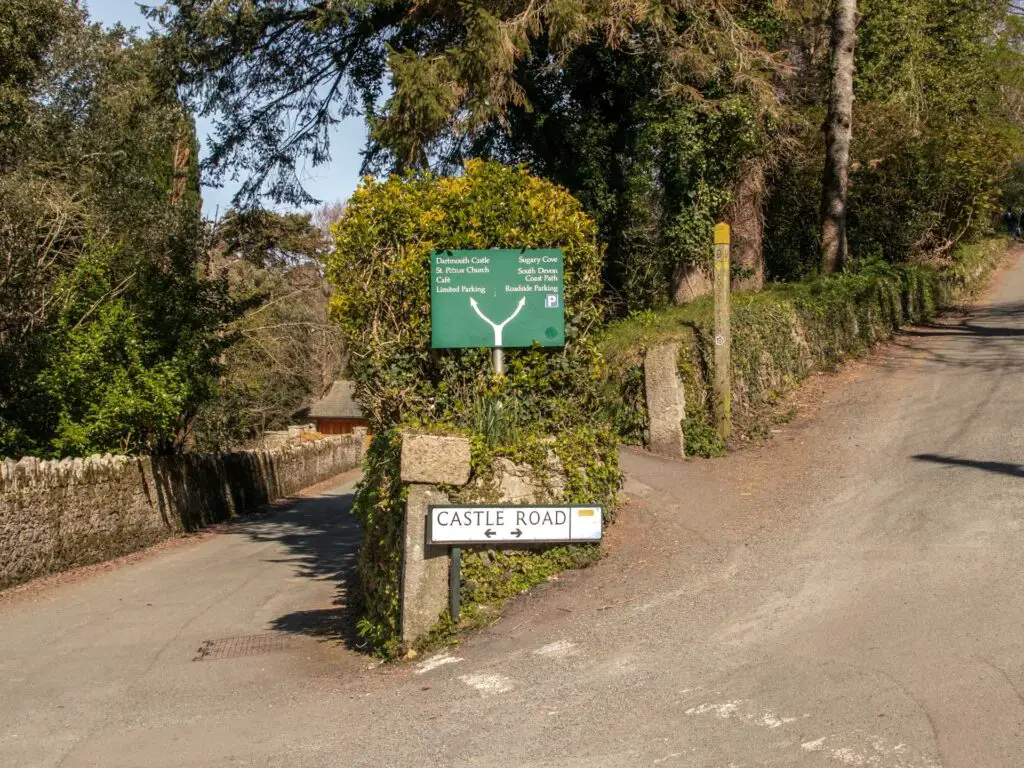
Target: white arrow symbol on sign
499	328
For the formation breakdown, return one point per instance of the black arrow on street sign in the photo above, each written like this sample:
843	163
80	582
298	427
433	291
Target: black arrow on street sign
517	533
489	533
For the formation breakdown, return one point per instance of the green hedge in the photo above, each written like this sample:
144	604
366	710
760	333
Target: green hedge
545	404
780	336
576	466
380	270
380	507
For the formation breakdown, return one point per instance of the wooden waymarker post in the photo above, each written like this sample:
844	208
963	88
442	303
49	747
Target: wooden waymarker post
723	331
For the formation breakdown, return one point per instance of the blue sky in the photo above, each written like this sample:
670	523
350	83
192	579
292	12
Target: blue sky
333	181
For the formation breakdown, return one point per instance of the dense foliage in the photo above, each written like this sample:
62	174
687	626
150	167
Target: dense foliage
285	352
540	412
380	269
936	132
659	119
647	114
654	172
108	333
429	77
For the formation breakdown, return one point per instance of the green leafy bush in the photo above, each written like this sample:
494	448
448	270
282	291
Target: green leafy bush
934	136
380	269
110	330
545	405
379	505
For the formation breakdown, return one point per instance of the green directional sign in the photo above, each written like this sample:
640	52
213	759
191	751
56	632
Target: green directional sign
497	298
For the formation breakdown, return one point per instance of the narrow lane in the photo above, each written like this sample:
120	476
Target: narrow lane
119	646
851	594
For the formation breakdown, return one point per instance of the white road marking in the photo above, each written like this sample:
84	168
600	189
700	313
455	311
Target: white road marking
661	760
771	720
725	709
557	649
488	684
847	755
436	661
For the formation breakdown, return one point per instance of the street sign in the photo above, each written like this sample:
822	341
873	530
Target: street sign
497	298
463	525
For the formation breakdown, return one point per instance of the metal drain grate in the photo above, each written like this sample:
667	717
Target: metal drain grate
240	647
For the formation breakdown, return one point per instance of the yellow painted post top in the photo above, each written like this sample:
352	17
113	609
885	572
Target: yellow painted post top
721	234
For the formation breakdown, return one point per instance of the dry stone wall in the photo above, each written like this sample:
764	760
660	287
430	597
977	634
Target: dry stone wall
56	515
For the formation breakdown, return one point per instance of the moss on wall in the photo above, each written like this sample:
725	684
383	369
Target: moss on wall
56	515
780	336
577	466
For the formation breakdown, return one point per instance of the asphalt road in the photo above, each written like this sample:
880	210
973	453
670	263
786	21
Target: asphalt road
850	594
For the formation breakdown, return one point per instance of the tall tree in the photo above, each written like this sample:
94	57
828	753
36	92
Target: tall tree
286	352
430	77
838	133
642	111
655	171
109	335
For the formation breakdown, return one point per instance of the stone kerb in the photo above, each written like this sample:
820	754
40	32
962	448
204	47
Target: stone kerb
666	407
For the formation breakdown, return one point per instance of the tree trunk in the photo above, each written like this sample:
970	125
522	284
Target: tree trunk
181	152
745	215
690	282
838	130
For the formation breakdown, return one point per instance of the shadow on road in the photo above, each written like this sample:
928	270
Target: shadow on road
986	339
999	467
322	538
979	321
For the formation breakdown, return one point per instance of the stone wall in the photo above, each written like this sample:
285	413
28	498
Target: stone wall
432	465
56	515
276	438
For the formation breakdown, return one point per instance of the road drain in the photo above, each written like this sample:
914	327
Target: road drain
240	647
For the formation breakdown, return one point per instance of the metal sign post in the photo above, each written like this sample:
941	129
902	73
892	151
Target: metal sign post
454	583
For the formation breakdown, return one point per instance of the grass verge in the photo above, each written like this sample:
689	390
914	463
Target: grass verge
780	335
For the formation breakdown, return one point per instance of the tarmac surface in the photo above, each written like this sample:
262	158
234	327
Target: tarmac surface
851	593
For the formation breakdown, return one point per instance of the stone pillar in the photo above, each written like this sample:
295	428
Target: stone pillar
665	401
427	460
424	568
